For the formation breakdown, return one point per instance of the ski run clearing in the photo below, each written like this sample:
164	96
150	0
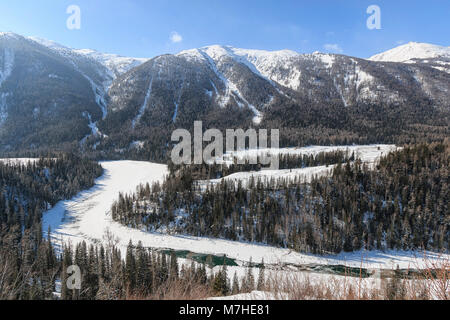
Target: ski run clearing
87	217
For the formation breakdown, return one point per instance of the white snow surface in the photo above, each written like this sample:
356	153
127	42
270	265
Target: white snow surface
99	91
9	35
87	217
302	174
95	131
413	50
116	64
7	64
16	161
367	153
266	64
214	56
254	295
3	107
144	105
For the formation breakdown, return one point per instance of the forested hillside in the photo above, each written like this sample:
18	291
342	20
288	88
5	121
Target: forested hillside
28	263
400	204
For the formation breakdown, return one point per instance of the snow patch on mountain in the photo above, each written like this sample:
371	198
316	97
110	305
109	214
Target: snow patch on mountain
95	132
413	50
222	99
137	145
9	35
363	77
177	102
3	108
6	67
326	59
99	92
92	125
6	64
192	55
259	61
214	55
144	105
73	56
117	64
274	66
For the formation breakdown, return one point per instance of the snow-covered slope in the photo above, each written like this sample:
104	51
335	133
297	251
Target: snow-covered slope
7	58
47	87
413	50
115	64
265	64
226	62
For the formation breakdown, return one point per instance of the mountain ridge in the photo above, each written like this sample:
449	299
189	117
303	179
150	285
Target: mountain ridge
411	51
421	49
128	102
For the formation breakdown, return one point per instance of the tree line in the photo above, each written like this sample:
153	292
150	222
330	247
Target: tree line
145	273
28	262
399	204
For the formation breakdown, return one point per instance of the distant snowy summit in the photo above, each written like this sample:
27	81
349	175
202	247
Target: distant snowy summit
404	53
414	50
114	63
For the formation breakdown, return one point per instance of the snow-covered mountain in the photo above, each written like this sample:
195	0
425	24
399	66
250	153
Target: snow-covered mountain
42	81
413	51
437	57
256	80
115	64
112	102
44	94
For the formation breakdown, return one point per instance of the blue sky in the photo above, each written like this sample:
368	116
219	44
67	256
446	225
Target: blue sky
143	28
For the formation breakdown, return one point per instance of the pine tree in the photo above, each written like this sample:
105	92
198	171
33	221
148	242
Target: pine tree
235	288
262	277
173	266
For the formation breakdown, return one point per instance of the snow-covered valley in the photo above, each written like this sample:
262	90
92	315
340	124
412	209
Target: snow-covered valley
87	217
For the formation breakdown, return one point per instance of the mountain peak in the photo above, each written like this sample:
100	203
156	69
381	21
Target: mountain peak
413	50
10	35
115	63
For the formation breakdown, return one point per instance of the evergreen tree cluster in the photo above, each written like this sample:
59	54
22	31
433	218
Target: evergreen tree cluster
145	273
28	263
217	170
402	203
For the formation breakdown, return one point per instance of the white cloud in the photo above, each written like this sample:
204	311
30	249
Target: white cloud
175	37
333	47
